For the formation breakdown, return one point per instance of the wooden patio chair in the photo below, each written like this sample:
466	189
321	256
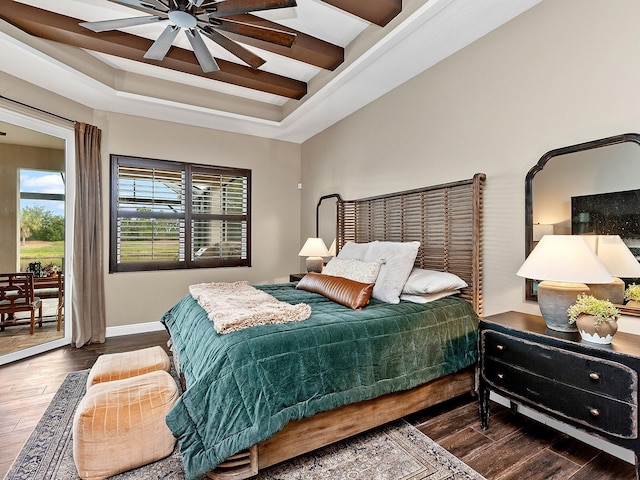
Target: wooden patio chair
17	295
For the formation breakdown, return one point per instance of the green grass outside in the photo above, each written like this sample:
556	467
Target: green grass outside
140	251
41	251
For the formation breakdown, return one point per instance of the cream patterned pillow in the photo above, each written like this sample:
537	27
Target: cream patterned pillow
359	271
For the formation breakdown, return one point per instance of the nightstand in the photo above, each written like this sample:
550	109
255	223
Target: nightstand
296	277
588	386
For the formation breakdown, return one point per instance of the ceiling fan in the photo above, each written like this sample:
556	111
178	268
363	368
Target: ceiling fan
202	17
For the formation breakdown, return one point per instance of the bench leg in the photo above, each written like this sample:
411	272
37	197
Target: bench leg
32	325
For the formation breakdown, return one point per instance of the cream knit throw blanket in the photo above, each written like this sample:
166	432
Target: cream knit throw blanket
237	305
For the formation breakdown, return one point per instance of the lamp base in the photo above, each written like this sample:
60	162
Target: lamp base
314	264
554	298
614	291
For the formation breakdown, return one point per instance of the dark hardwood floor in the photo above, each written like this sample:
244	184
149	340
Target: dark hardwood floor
513	447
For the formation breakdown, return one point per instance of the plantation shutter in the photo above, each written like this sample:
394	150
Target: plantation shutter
170	215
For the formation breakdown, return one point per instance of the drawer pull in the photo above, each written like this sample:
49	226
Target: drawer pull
594	376
500	347
500	376
594	412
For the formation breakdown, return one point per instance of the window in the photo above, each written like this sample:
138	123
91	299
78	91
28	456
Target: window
42	218
171	215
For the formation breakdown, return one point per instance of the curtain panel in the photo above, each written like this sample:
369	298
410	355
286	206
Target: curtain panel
88	304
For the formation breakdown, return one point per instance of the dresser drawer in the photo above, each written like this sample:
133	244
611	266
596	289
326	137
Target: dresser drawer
585	372
587	408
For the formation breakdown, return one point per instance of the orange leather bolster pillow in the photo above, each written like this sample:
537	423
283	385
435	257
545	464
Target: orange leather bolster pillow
341	290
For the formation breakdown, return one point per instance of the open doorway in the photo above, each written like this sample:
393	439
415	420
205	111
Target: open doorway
35	161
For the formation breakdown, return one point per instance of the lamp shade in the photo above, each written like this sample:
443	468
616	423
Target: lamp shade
332	248
614	255
314	247
564	258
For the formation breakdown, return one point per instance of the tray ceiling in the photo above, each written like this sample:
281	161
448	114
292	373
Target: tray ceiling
346	54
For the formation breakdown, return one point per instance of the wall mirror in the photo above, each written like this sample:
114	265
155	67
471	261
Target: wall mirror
604	173
327	218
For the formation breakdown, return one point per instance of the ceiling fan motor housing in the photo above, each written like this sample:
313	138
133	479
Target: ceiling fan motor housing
183	19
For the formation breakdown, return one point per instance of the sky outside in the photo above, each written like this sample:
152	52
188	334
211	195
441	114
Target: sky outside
39	181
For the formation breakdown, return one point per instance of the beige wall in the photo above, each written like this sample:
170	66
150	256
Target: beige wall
12	159
560	74
145	296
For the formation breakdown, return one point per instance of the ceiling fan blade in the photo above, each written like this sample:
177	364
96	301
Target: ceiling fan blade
144	4
162	45
202	53
238	50
265	34
107	25
160	4
235	7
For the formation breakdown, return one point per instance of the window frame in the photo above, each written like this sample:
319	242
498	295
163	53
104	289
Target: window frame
187	216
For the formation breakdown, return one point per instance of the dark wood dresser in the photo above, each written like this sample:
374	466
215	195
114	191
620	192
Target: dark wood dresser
588	386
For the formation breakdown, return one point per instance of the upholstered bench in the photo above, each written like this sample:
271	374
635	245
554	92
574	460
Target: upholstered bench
120	424
116	366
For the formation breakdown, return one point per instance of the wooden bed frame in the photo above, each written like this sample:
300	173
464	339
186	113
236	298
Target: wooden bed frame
447	220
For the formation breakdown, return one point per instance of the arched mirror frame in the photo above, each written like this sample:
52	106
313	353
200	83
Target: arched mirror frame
338	198
580	147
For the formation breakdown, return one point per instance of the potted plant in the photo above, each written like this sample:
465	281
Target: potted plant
50	270
595	318
632	295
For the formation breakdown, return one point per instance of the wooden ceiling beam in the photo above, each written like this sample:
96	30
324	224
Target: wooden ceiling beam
379	12
305	48
63	29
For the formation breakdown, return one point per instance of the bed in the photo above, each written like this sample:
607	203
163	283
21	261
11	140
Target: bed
262	395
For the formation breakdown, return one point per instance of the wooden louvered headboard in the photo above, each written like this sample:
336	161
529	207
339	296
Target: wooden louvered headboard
446	219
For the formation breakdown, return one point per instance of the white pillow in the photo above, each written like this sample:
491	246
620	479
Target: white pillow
431	281
428	297
357	270
352	250
399	258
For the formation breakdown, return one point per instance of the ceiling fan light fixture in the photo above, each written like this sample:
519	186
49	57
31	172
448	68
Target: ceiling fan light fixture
182	19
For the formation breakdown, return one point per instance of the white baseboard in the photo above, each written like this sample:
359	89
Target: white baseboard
134	329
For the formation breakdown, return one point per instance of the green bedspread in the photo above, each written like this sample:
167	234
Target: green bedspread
245	386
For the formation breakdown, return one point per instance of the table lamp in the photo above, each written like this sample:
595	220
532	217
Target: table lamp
314	249
565	264
332	248
619	262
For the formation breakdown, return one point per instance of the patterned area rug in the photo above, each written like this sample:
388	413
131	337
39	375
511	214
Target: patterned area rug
393	452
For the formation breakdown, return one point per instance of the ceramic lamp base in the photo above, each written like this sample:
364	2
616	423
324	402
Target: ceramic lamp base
314	264
614	291
554	298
